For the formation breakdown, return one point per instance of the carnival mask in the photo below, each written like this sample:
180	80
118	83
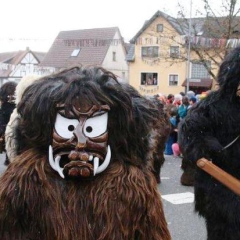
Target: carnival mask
79	147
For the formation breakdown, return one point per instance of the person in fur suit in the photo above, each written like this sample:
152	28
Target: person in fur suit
211	130
7	98
160	132
11	144
82	170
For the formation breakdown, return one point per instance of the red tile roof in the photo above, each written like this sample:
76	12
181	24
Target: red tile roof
93	44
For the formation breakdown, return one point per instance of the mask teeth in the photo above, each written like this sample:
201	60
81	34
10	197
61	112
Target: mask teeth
96	164
55	163
105	163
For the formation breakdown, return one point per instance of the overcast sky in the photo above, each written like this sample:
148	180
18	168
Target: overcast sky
35	24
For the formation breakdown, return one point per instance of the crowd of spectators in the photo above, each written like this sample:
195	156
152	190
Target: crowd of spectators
177	107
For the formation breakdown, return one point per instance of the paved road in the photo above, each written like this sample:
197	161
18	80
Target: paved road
183	223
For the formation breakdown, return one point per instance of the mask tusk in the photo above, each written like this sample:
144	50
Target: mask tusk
106	162
55	164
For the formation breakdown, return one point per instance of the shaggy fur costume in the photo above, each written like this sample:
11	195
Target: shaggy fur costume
189	170
159	135
38	201
209	131
7	97
10	133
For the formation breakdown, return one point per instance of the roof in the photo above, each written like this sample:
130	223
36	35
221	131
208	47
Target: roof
130	53
93	45
39	55
212	27
202	82
14	58
147	23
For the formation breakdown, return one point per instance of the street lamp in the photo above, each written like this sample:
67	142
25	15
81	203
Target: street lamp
189	46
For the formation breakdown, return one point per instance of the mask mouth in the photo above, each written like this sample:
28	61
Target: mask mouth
77	168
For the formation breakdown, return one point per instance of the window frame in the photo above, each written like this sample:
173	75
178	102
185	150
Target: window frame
159	27
150	52
144	76
174	52
75	52
198	70
172	81
114	56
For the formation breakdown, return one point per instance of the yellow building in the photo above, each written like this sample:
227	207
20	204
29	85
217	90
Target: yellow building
159	59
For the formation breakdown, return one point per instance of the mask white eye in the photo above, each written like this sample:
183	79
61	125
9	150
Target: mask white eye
96	126
65	126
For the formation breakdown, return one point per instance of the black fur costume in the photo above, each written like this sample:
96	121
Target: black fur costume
66	201
7	98
208	131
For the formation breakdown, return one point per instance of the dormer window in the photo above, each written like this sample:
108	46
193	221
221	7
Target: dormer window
75	52
159	27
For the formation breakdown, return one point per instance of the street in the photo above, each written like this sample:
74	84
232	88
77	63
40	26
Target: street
183	222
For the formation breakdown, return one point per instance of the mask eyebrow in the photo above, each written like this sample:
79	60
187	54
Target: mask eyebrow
70	114
99	113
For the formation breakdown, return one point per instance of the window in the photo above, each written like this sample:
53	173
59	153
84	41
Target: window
199	70
159	28
150	52
149	78
173	80
174	52
123	75
114	56
75	52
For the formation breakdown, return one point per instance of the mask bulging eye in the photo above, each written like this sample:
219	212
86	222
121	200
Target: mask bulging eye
65	126
89	129
71	128
96	125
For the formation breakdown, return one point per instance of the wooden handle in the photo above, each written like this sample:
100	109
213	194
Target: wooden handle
222	176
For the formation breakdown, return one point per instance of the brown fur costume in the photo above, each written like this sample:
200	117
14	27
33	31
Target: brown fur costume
38	201
159	135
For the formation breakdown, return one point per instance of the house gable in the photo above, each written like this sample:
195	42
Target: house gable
171	21
150	62
25	66
115	59
92	44
15	65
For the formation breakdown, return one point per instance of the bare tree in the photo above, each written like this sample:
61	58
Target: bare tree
213	34
204	39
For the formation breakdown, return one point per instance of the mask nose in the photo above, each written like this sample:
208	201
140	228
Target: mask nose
81	145
79	136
